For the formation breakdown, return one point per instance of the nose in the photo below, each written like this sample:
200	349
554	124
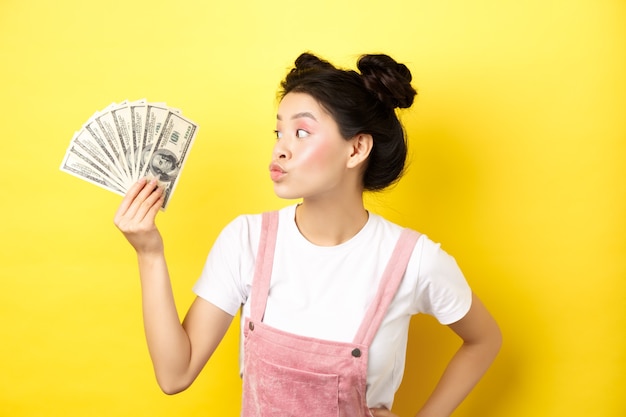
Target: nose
281	150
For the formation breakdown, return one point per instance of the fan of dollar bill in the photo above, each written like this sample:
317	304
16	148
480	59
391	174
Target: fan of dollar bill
131	140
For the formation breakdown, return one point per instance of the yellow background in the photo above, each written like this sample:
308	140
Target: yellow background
518	145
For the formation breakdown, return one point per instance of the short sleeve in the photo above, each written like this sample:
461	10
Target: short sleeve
227	272
442	290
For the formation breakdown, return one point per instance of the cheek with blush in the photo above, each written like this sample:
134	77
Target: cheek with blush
320	157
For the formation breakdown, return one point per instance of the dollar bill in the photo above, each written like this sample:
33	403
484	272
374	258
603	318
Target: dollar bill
155	117
80	166
130	140
170	151
138	122
123	127
84	143
104	124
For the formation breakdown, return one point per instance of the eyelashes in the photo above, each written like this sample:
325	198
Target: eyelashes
300	134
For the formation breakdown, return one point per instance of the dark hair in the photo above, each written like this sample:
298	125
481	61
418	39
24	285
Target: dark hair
361	103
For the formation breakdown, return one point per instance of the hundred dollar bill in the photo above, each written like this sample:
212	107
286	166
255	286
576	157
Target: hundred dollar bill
105	125
109	148
80	166
170	152
123	126
130	140
138	123
79	153
84	143
155	117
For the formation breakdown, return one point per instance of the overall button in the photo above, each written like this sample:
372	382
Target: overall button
356	352
251	326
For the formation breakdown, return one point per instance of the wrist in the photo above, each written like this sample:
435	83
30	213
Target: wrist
427	413
150	249
150	257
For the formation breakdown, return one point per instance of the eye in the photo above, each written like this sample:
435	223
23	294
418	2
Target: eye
278	134
301	133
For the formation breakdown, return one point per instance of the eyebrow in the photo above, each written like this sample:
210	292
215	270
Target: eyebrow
299	116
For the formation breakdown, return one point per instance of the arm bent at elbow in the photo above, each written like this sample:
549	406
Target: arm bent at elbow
481	343
178	361
178	351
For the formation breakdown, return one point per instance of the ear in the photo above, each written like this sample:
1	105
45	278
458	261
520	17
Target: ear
360	146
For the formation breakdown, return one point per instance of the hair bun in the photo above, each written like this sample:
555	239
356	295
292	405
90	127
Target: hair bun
389	80
307	61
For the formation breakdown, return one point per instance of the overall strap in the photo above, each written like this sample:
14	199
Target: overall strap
263	265
389	283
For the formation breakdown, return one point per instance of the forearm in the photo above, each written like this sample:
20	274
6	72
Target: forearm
462	374
167	341
481	343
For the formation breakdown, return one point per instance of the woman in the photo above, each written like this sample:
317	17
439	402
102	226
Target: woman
327	288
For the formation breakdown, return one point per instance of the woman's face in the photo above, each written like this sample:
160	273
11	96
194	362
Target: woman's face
310	156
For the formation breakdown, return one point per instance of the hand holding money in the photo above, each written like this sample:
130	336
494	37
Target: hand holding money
128	141
136	214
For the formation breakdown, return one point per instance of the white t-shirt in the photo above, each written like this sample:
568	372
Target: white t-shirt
324	292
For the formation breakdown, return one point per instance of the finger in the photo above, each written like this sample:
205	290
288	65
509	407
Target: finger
147	190
130	196
135	211
149	208
154	209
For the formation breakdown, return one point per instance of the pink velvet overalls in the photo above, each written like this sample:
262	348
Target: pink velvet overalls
291	375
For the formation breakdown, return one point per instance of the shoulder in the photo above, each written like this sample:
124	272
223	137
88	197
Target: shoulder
242	225
432	256
246	228
384	227
426	251
433	282
227	274
389	234
442	290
